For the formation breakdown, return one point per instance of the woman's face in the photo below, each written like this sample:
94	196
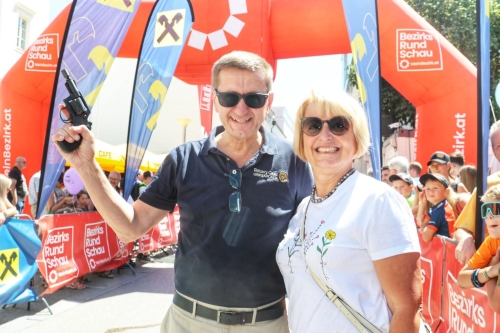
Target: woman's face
440	168
327	152
82	201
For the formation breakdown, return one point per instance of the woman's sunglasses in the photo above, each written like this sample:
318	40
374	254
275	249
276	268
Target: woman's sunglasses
312	126
492	208
252	100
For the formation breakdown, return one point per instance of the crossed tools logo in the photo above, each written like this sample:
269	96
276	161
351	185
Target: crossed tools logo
169	28
9	264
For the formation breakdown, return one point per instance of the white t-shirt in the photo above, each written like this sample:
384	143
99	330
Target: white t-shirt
363	221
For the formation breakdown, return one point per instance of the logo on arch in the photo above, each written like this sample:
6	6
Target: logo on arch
418	50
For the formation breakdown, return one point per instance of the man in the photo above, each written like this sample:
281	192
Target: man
114	179
148	177
33	190
19	188
225	271
385	174
415	168
466	222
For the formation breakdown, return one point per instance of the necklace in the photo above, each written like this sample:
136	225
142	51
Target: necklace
318	200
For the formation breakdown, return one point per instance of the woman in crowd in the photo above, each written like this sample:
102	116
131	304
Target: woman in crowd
468	176
359	239
6	208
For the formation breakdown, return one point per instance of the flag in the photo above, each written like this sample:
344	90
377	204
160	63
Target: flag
362	25
164	39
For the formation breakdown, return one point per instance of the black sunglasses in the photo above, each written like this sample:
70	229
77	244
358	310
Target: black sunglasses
312	126
252	100
235	197
492	208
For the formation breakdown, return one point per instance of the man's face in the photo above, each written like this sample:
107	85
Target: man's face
441	168
241	123
148	180
456	169
495	144
385	176
21	164
114	179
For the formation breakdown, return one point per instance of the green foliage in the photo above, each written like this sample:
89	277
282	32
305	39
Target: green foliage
456	21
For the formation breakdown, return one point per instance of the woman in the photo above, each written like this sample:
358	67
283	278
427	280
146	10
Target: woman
360	238
6	208
82	201
468	176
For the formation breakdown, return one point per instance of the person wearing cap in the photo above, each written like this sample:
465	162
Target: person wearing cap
403	184
435	215
440	163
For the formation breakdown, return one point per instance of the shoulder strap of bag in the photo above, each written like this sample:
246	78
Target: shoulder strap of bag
360	322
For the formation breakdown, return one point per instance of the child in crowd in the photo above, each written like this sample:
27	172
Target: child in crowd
435	215
477	272
403	184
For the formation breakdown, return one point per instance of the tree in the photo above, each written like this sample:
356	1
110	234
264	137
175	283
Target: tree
456	21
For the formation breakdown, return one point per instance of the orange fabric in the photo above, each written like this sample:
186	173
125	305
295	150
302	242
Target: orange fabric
486	251
450	217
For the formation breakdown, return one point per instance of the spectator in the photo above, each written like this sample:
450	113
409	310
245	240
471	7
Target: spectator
480	270
225	263
415	168
353	233
403	184
19	188
6	208
457	162
398	164
59	200
440	163
466	223
33	190
369	172
148	177
468	176
385	174
435	215
82	201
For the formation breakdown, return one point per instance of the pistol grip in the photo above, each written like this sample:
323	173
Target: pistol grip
68	147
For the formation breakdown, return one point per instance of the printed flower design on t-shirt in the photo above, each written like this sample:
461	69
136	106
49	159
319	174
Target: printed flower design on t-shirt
309	240
293	250
330	235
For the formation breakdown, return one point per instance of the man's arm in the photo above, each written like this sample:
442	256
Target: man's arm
13	191
129	222
465	248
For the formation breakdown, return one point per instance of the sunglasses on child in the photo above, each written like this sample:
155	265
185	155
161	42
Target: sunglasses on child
312	126
252	100
492	208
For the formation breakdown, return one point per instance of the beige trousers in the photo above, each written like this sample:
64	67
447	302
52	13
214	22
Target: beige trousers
180	321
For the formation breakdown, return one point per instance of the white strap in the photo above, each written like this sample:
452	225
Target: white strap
360	322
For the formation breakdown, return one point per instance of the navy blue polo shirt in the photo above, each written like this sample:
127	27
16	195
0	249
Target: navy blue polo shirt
226	258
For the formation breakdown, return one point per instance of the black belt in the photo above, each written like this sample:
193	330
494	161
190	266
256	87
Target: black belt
274	311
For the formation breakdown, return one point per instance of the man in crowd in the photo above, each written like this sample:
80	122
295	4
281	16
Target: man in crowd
18	188
415	168
226	273
33	190
385	174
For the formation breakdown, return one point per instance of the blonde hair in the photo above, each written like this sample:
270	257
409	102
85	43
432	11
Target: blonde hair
5	183
493	192
245	61
340	105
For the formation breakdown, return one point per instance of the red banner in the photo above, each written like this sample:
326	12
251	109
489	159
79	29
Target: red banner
76	244
465	310
431	262
205	95
162	235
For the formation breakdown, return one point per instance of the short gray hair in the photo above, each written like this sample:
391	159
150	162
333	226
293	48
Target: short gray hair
493	129
399	163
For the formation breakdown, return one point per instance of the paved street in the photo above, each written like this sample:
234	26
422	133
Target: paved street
126	303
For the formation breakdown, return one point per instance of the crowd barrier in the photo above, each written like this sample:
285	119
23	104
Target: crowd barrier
446	306
74	245
19	247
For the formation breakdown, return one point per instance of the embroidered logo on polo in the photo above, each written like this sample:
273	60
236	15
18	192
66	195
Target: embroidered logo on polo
271	175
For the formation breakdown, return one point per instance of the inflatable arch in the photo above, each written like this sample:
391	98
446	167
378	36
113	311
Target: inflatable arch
415	59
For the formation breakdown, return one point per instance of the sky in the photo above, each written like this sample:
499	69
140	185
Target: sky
295	78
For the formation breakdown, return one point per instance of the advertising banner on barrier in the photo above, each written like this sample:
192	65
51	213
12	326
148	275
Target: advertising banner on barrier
162	235
431	263
76	244
465	310
19	247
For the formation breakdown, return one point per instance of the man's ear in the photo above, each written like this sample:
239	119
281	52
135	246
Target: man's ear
214	102
270	101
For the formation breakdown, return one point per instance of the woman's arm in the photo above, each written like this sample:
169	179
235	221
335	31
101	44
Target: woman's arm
402	285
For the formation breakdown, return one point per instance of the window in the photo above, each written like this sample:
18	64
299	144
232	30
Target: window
21	33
